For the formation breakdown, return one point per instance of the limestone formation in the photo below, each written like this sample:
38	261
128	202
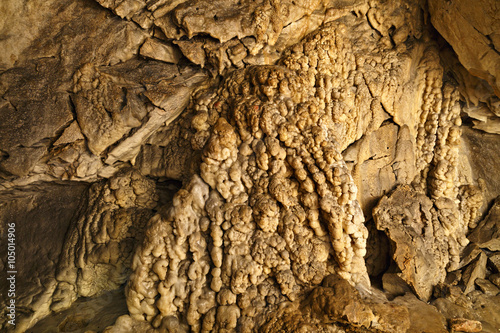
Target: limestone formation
251	166
465	27
487	233
465	325
420	244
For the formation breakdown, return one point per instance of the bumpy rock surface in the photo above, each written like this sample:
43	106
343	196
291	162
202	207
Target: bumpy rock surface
218	161
421	247
468	26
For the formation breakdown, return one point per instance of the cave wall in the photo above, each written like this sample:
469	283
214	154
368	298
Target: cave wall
317	142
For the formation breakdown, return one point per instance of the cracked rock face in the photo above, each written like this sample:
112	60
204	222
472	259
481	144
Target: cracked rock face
252	166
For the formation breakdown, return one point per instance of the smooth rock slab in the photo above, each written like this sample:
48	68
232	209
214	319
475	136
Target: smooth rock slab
394	285
477	269
423	317
155	49
468	27
495	278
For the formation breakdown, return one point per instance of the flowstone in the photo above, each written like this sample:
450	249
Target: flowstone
274	209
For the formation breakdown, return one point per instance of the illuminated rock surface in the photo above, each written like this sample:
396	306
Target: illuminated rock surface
263	166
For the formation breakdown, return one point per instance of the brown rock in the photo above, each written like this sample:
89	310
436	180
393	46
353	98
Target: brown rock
434	321
480	307
487	233
482	151
390	317
452	293
487	287
394	285
453	278
337	299
72	133
380	160
469	253
337	302
87	315
29	208
450	310
420	251
25	123
477	269
92	94
488	309
495	278
465	325
193	50
484	118
466	26
494	262
155	49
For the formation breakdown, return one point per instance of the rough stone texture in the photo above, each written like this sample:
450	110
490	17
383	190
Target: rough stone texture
155	49
379	161
98	247
434	321
394	285
495	278
452	293
487	233
232	152
420	246
482	151
477	269
336	302
86	314
471	26
470	252
487	287
488	309
28	124
41	214
450	308
494	262
465	325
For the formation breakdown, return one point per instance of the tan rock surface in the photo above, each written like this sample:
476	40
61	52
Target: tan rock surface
420	246
487	233
465	325
38	242
472	29
228	154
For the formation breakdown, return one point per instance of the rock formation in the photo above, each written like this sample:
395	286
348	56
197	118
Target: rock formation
273	166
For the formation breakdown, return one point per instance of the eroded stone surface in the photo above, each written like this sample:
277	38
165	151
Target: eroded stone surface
410	220
314	112
434	321
41	215
465	325
487	233
477	269
98	248
471	27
